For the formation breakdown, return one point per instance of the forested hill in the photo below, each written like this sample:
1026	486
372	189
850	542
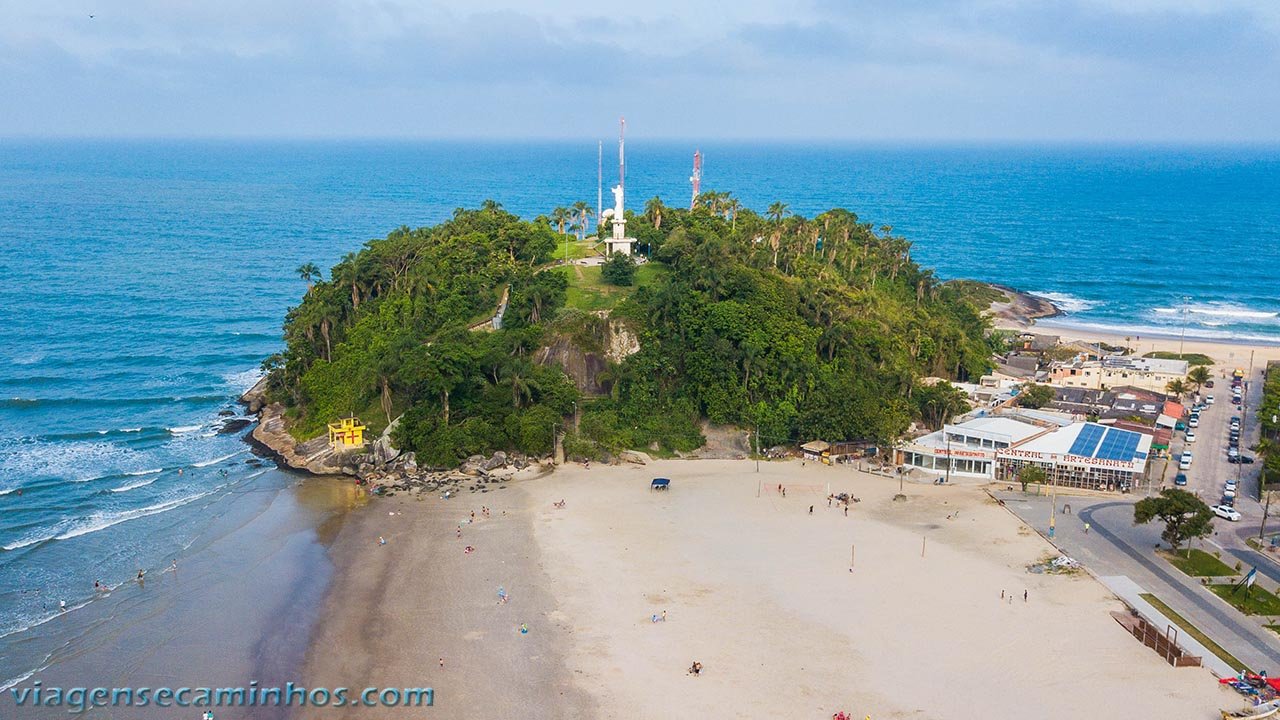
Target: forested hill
801	327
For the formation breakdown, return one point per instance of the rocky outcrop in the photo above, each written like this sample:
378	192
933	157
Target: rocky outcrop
313	456
613	342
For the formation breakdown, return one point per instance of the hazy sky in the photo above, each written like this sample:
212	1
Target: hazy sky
1198	70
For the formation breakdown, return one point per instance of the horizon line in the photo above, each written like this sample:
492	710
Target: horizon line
567	140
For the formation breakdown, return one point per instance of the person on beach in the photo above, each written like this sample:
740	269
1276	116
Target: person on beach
810	509
1024	596
62	605
382	540
1001	594
97	586
846	510
1086	528
459	532
784	492
441	663
695	669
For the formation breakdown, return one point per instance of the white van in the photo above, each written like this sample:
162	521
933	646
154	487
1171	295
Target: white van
1184	462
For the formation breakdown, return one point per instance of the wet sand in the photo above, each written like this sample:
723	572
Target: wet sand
239	607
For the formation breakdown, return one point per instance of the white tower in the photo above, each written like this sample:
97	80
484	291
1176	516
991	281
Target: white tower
620	242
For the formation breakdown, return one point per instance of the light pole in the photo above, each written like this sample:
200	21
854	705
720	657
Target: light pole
1185	299
1053	504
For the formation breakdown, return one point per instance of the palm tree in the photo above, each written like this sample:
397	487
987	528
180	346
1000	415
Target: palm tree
310	274
653	210
1176	387
731	208
1199	375
777	211
582	212
559	217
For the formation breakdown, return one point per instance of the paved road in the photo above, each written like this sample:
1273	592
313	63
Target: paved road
1114	546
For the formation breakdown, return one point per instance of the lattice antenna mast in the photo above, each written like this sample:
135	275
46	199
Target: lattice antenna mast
599	181
696	178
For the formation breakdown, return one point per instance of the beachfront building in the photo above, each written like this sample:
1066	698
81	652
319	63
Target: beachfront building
346	434
817	451
967	451
1083	455
1145	373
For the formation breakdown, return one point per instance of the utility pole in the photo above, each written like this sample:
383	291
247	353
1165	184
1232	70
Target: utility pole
950	462
1185	300
1053	505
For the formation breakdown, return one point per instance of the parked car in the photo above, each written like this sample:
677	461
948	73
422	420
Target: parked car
1236	400
1191	436
1181	479
1208	383
1194	422
1229	502
1208	400
1240	459
1184	462
1233	451
1226	512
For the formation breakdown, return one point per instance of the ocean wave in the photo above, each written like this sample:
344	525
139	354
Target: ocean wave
28	359
28	402
215	461
29	540
133	486
77	461
1219	310
244	379
103	520
184	429
151	471
1195	332
1067	303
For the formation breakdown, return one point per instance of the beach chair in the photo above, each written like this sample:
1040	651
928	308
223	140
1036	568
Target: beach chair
660	484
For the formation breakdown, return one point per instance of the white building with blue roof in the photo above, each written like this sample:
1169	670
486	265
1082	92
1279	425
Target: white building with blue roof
1084	455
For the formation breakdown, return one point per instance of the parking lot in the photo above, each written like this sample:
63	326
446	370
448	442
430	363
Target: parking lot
1210	468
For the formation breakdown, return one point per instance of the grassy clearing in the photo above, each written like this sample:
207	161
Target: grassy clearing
574	248
589	292
1199	564
1250	601
1192	358
1194	632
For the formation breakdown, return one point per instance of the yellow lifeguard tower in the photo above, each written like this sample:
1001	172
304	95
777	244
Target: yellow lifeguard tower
346	434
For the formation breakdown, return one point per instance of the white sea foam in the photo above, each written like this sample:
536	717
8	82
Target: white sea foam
103	520
152	471
28	540
1231	311
132	486
28	359
1068	303
79	461
215	461
244	379
1165	331
184	429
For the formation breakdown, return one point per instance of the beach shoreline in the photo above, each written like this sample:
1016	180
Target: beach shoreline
793	613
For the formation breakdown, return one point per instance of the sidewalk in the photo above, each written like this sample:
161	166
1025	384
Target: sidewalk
1130	592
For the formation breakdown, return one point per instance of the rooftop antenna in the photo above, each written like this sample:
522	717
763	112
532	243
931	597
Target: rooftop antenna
622	157
599	182
696	178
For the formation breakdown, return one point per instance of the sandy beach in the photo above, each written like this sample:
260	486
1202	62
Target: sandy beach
756	588
1226	354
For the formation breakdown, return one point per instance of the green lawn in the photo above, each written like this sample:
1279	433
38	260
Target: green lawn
1200	564
1253	601
576	249
1191	358
1194	632
590	292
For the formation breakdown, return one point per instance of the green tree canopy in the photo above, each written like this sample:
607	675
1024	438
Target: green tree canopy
619	269
1184	515
1036	396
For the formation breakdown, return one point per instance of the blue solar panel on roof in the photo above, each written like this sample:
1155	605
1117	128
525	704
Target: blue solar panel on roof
1087	441
1118	445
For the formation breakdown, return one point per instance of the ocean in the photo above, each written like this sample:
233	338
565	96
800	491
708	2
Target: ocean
144	281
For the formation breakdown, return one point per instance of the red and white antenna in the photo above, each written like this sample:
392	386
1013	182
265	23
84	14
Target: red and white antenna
696	178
